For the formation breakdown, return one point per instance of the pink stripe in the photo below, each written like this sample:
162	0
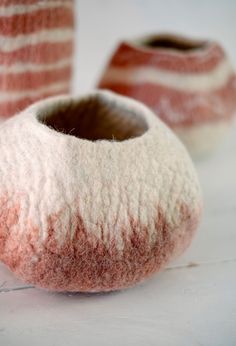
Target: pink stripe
8	3
178	108
129	56
38	20
42	53
29	80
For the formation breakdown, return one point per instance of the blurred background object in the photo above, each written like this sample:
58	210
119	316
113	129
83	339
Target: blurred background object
190	84
102	24
36	49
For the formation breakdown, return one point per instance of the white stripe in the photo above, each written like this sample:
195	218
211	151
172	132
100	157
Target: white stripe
31	67
201	139
9	44
17	95
191	82
23	9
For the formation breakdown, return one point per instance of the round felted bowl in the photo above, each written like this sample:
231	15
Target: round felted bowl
190	84
96	193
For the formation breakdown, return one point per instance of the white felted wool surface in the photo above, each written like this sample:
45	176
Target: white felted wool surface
98	214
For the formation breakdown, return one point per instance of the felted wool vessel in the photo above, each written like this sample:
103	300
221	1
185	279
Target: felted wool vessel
96	193
190	84
36	50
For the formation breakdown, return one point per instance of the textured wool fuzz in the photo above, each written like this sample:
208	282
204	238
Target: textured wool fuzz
189	84
36	50
96	193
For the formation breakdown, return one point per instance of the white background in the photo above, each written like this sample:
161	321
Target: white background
184	305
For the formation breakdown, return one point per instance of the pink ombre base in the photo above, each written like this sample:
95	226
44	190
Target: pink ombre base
84	262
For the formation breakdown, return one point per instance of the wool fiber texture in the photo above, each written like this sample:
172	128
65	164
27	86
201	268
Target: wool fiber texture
36	50
96	193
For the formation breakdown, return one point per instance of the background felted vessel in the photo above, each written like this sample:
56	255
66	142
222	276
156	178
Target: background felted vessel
189	84
96	193
36	49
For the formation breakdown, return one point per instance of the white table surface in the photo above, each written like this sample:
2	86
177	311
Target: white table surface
193	302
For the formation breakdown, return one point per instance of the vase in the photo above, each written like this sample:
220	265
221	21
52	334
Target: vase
36	51
96	193
190	84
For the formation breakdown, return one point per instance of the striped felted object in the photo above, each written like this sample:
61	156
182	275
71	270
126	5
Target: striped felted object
96	193
189	84
36	50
